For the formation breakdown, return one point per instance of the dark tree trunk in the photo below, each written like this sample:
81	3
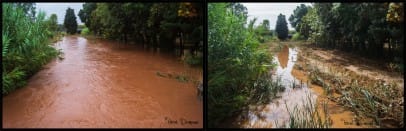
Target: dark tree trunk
181	44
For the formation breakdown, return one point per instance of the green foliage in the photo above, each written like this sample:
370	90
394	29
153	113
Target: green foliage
262	31
236	63
70	22
297	36
308	115
281	28
85	31
155	25
362	28
25	47
85	13
194	60
53	23
297	15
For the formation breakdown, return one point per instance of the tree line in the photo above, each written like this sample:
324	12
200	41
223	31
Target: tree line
156	25
374	30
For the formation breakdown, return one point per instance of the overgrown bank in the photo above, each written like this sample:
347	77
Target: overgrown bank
25	44
238	68
174	27
366	96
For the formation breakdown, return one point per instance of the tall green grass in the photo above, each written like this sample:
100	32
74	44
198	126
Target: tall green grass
307	115
237	66
25	46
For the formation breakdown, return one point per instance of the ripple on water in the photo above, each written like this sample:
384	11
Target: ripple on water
104	85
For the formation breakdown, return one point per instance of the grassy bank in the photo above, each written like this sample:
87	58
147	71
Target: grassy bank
26	46
365	96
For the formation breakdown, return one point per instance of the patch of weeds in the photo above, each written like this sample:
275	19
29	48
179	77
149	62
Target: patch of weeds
182	78
160	74
307	115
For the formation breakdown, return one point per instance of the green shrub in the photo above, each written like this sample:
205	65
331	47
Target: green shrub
237	66
85	31
25	46
194	60
297	36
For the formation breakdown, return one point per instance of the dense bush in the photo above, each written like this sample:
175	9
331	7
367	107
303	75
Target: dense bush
85	31
298	36
236	63
374	30
25	46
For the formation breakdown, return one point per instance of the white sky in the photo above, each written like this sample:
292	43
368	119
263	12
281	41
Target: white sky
59	9
271	11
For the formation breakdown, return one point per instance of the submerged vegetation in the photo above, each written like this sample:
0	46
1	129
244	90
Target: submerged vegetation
376	31
25	44
307	115
159	26
366	97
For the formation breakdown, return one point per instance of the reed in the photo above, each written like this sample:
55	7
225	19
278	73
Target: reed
307	115
25	44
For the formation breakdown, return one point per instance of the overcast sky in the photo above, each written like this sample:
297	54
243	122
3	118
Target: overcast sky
59	9
271	11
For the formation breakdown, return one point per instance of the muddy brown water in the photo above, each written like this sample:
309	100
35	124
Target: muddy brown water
275	113
103	84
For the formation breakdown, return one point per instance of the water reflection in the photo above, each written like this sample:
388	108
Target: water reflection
265	116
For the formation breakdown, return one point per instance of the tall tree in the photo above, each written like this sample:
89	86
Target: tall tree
70	22
85	13
297	15
28	9
281	28
53	23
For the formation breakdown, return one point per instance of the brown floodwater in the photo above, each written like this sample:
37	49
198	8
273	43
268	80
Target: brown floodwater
105	84
275	113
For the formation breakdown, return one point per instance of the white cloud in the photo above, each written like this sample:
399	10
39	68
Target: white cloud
59	9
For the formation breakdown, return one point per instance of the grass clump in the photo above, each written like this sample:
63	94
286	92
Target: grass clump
366	97
307	115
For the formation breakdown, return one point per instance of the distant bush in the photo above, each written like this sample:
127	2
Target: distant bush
194	60
297	36
85	31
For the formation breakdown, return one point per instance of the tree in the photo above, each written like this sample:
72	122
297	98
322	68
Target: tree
297	15
70	22
281	28
265	24
53	23
28	9
85	13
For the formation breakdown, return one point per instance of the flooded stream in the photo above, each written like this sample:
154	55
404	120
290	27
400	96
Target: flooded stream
100	83
265	116
297	93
